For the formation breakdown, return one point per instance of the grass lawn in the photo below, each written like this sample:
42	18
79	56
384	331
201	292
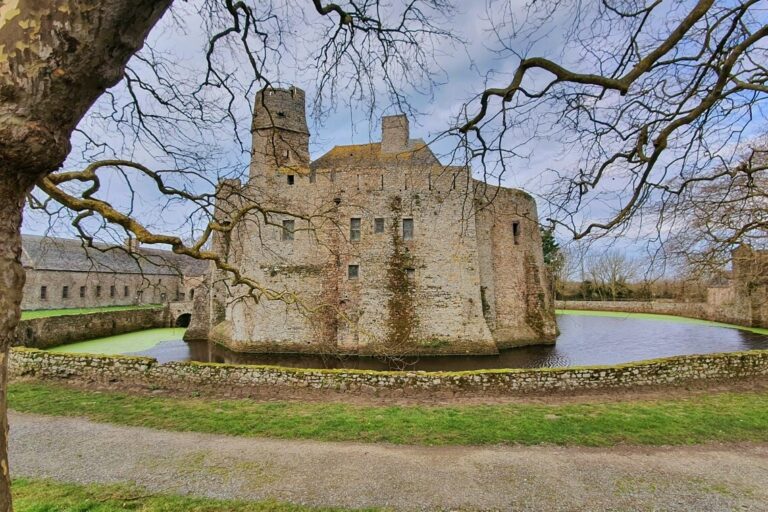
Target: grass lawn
45	313
724	417
656	316
50	496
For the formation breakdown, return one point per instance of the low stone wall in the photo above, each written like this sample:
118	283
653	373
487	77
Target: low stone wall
700	310
57	330
242	380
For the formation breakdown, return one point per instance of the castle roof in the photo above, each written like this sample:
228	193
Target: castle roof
370	156
66	254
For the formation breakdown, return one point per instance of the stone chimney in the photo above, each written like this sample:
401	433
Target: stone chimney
394	134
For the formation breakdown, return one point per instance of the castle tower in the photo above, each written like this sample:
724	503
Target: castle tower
280	134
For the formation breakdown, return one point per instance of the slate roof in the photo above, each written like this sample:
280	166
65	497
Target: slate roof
66	254
370	156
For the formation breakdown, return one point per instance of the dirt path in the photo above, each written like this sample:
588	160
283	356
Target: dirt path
712	477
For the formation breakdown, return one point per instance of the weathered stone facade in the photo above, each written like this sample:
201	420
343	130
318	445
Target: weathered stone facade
381	249
249	380
61	273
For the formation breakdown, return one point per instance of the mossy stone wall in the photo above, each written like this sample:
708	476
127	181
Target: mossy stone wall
240	380
57	330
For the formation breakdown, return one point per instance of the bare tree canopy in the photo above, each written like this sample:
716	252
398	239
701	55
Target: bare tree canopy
647	99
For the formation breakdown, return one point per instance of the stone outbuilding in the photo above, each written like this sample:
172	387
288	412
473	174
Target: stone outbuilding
64	273
373	248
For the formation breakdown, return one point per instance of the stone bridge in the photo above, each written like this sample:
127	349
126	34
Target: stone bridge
180	313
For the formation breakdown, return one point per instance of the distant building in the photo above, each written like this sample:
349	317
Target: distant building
62	273
382	249
745	295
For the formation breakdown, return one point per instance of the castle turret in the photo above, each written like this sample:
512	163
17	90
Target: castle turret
280	134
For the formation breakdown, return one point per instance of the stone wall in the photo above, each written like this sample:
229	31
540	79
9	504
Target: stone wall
701	310
234	380
57	330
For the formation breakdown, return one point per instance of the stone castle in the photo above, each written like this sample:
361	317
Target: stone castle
374	248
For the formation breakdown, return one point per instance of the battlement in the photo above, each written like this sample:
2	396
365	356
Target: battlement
280	108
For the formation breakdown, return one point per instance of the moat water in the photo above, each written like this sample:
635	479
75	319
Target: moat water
586	338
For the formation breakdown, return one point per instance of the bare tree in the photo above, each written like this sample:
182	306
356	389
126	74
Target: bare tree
718	215
646	99
58	58
611	273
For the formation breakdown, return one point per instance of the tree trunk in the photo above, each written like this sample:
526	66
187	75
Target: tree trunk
56	58
12	192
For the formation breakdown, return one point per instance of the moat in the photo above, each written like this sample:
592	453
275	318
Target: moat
585	339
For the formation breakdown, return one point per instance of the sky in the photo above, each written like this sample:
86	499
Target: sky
219	146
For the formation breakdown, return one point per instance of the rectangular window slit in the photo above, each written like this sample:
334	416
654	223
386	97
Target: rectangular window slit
65	292
354	229
378	225
516	232
353	271
291	179
407	229
288	228
43	292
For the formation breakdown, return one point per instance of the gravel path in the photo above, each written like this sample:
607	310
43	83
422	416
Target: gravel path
702	478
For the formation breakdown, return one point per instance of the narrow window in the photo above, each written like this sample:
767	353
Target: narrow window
516	232
192	294
139	295
112	291
312	176
410	274
163	296
125	291
288	226
382	182
82	292
65	292
43	292
353	271
378	225
291	179
354	230
98	291
407	229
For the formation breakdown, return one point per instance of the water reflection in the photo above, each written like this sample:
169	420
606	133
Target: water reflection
583	340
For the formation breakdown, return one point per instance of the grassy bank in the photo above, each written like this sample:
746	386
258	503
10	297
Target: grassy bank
45	313
725	417
659	317
49	496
